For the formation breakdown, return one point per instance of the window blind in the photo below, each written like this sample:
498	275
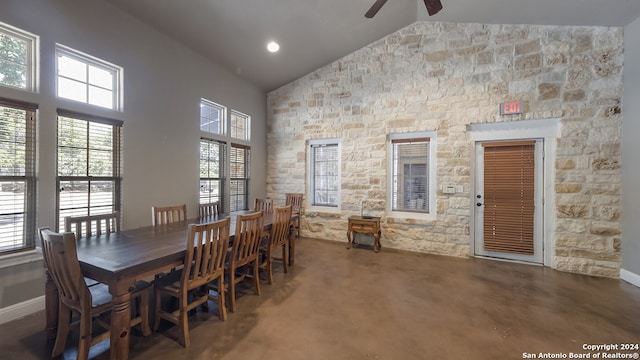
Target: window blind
410	187
239	177
509	197
212	160
325	174
17	175
88	165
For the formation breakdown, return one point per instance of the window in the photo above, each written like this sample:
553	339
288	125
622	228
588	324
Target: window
88	165
88	80
212	117
17	176
325	172
17	58
240	124
411	185
211	171
239	176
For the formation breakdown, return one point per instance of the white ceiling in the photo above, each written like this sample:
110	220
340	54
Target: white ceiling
313	33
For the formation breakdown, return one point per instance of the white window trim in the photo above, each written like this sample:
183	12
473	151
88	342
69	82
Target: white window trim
316	208
433	145
118	91
247	125
223	120
33	56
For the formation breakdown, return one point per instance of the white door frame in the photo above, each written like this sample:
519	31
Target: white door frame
546	129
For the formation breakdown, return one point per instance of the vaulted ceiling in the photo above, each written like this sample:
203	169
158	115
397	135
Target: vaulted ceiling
313	33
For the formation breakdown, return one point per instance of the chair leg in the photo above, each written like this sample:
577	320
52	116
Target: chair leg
143	309
64	317
270	268
85	336
222	307
256	277
183	325
158	307
232	290
284	258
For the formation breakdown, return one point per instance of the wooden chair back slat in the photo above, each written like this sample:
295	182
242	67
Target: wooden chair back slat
281	227
246	242
265	205
209	209
61	259
168	214
83	226
295	200
207	246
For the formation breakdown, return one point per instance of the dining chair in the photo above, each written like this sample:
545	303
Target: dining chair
209	209
265	205
61	260
204	262
295	200
168	214
279	237
243	260
84	226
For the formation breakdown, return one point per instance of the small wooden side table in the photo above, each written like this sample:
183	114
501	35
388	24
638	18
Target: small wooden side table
364	225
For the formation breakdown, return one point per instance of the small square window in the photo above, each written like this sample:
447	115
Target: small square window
212	117
240	124
88	80
17	58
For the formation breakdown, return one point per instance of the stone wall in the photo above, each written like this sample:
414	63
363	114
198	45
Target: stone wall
441	77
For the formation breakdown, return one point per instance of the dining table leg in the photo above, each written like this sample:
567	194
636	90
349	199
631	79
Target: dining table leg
121	318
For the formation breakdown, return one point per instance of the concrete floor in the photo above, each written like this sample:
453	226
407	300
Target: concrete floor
354	304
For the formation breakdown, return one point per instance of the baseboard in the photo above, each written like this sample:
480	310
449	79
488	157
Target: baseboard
630	277
22	309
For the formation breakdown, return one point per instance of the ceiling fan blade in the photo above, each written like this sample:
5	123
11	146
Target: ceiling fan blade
433	6
374	8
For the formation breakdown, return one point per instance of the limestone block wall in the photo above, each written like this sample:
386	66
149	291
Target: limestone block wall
442	77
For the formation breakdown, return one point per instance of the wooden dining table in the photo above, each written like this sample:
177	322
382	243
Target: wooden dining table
120	259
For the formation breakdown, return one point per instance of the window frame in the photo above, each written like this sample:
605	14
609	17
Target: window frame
311	171
116	166
117	73
247	125
221	179
31	58
222	121
430	211
28	177
243	203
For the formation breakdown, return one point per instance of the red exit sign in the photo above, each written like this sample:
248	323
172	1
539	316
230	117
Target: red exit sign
510	108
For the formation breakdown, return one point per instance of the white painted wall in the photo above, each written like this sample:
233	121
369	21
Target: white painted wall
630	160
163	84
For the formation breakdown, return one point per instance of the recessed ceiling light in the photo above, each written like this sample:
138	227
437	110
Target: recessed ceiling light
273	46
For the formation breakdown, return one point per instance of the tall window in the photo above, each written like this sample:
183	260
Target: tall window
411	169
88	165
240	125
211	170
239	176
17	58
212	117
17	176
325	172
88	80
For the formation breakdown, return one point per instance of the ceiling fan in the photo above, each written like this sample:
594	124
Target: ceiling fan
433	6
